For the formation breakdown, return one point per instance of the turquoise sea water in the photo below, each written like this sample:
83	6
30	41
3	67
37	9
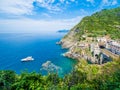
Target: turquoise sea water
15	46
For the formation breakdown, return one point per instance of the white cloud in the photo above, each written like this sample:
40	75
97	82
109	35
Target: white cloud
16	7
114	2
72	0
46	1
67	2
83	12
54	6
109	3
91	1
42	26
21	7
48	4
62	1
105	2
26	7
46	15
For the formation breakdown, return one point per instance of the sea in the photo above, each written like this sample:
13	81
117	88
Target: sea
48	57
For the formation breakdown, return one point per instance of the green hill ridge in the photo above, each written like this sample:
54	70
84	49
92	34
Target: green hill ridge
105	22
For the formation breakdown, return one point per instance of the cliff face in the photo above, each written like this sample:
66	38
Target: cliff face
69	40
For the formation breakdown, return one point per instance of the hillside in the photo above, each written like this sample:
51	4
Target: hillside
91	33
105	22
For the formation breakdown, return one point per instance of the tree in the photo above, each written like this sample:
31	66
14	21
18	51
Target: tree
7	78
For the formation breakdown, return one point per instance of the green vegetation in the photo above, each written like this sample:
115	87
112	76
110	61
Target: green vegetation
84	77
105	22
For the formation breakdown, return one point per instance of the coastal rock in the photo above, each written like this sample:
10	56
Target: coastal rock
59	43
50	67
72	55
67	44
68	41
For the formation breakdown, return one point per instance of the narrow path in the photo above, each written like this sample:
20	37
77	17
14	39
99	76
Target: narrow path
109	53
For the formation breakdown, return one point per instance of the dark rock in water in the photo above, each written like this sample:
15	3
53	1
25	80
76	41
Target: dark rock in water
63	31
50	67
59	43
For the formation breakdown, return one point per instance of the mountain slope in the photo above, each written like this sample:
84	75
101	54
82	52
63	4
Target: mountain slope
105	22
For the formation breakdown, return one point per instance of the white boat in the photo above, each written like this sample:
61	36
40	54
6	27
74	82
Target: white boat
29	58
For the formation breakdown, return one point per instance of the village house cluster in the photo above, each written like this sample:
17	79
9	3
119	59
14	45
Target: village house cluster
113	46
109	45
96	50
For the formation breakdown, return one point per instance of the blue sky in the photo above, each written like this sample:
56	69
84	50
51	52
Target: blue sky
47	15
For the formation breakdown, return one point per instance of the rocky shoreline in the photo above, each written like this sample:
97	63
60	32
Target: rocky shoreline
67	44
78	50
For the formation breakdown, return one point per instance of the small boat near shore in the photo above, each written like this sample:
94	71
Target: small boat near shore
29	58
